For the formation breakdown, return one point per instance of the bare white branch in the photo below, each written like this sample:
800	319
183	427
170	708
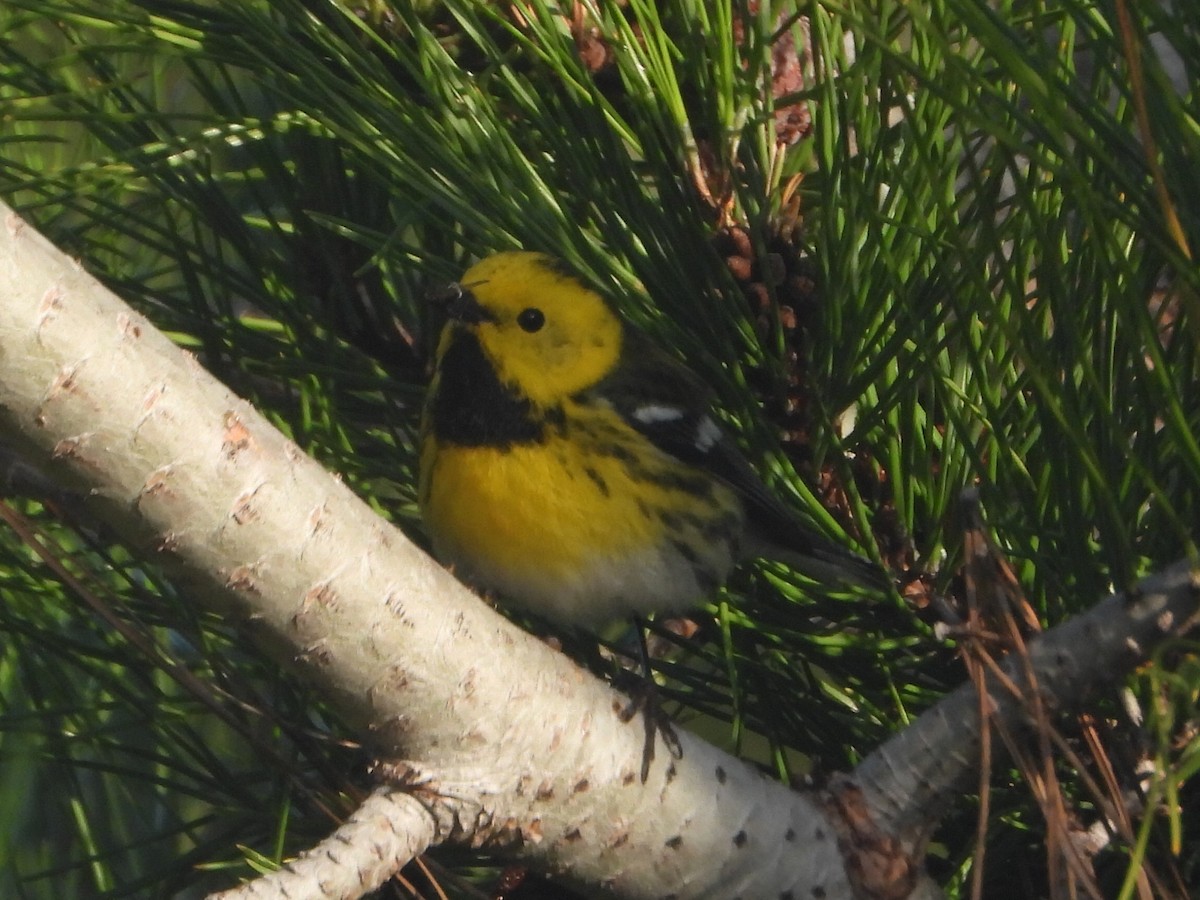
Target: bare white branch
912	780
387	830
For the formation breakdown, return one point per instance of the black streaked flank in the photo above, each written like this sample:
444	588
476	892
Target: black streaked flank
597	479
706	579
699	485
685	550
472	408
724	528
614	450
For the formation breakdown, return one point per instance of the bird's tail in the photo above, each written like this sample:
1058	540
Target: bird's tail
824	561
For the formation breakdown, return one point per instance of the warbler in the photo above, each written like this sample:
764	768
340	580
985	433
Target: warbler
576	469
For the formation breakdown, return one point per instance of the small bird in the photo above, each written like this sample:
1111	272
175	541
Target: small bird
576	469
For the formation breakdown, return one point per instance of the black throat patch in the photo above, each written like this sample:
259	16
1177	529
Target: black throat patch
472	408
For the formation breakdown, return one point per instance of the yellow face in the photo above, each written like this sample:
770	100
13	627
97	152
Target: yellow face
543	331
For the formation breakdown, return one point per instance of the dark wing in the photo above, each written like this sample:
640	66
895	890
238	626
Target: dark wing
663	399
669	404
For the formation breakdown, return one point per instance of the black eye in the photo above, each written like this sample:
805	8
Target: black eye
531	319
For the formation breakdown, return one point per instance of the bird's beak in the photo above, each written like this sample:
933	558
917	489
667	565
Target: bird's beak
460	304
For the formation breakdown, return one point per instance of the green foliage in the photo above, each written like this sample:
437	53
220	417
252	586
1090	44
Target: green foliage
1007	299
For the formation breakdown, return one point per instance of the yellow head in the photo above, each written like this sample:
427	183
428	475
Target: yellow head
543	331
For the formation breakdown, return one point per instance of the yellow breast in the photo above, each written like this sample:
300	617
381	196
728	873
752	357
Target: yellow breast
587	524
